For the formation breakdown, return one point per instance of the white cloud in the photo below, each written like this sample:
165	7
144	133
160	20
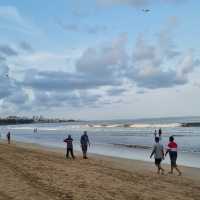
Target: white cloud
98	75
6	50
159	64
106	61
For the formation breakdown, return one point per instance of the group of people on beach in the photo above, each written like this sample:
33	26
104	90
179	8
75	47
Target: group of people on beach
159	154
157	151
84	142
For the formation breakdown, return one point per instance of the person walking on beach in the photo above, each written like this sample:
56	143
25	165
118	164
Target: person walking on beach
172	150
69	142
158	152
8	137
84	144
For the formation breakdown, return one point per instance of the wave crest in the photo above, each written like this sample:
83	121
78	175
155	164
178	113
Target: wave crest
171	125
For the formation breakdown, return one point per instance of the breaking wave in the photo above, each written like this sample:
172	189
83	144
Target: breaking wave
171	125
104	126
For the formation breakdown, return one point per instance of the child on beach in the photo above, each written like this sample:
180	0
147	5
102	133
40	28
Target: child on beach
172	150
158	152
69	142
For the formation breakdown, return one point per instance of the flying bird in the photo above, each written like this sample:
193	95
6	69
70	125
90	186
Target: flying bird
146	10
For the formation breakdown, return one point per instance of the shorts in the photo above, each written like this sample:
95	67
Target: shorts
158	161
173	158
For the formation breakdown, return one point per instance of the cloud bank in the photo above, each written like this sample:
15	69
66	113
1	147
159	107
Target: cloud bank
101	74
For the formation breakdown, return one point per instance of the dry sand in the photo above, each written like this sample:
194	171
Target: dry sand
30	172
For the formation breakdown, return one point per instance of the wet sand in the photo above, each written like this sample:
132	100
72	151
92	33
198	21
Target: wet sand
33	172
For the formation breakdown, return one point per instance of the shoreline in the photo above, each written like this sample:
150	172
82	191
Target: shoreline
119	162
186	159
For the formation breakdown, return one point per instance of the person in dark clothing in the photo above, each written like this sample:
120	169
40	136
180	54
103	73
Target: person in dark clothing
160	134
155	133
69	142
160	131
8	137
84	144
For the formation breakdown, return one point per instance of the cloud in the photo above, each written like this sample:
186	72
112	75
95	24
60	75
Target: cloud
57	99
149	68
62	81
46	60
95	68
10	90
100	75
115	91
5	82
18	97
82	28
141	92
187	64
25	46
2	58
12	94
157	79
6	50
104	62
165	38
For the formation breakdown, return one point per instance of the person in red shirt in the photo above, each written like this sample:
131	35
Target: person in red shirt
172	150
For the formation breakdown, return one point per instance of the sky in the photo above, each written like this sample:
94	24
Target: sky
100	59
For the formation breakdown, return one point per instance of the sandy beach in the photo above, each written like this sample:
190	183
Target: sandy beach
37	173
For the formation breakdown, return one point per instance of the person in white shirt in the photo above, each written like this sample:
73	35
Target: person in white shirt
158	152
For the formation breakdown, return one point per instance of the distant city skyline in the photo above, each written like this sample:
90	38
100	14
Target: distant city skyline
100	59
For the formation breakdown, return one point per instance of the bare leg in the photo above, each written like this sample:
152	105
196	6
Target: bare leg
160	168
178	170
171	172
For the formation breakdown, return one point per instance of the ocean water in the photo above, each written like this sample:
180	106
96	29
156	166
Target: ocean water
131	139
